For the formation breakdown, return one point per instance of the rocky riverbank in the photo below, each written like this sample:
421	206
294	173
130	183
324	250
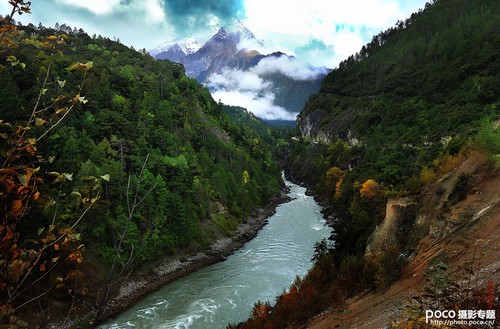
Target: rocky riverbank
143	283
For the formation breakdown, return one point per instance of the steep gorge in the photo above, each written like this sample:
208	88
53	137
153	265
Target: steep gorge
401	147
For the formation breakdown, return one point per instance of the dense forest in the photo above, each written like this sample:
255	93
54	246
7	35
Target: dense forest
391	120
414	96
110	157
111	160
414	88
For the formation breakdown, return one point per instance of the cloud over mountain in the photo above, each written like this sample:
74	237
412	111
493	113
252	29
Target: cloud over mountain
246	89
254	88
235	79
308	29
260	103
289	66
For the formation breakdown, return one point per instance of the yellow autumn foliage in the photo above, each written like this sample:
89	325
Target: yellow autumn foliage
369	189
333	174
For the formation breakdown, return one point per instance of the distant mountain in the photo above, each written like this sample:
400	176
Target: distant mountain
178	51
202	59
229	61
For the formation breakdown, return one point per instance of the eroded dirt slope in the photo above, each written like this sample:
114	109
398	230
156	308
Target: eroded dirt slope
466	232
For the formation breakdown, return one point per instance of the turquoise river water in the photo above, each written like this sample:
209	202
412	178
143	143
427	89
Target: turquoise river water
225	292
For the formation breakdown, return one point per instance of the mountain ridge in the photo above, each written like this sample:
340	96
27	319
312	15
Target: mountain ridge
401	146
234	50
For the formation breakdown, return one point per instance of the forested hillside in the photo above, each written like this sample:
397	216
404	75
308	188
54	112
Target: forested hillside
111	156
397	121
407	102
414	90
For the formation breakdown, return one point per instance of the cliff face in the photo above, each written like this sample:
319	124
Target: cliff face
399	220
328	123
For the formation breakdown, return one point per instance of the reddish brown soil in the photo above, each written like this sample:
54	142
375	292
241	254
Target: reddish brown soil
479	236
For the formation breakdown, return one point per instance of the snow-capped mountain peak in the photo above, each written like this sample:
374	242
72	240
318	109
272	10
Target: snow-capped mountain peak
231	61
237	27
188	46
176	50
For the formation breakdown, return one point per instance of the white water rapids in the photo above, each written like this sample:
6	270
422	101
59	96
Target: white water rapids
225	292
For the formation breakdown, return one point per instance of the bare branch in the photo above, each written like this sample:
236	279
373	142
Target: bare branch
33	299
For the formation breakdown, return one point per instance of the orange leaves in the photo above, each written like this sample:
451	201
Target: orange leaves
6	180
338	186
50	238
53	40
7	27
17	208
448	162
28	254
76	256
40	121
6	235
46	44
261	311
428	176
74	275
8	36
17	184
370	189
440	167
20	6
16	269
334	178
13	261
333	174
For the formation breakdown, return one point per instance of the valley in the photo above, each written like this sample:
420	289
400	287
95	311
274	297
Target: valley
226	291
124	174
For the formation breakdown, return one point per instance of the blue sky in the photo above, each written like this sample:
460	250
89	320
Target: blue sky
322	32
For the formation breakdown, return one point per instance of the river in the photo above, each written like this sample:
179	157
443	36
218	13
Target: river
225	292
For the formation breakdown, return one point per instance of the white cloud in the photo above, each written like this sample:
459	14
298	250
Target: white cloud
98	7
231	79
346	43
251	90
288	25
252	44
152	11
155	11
247	89
291	67
261	105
